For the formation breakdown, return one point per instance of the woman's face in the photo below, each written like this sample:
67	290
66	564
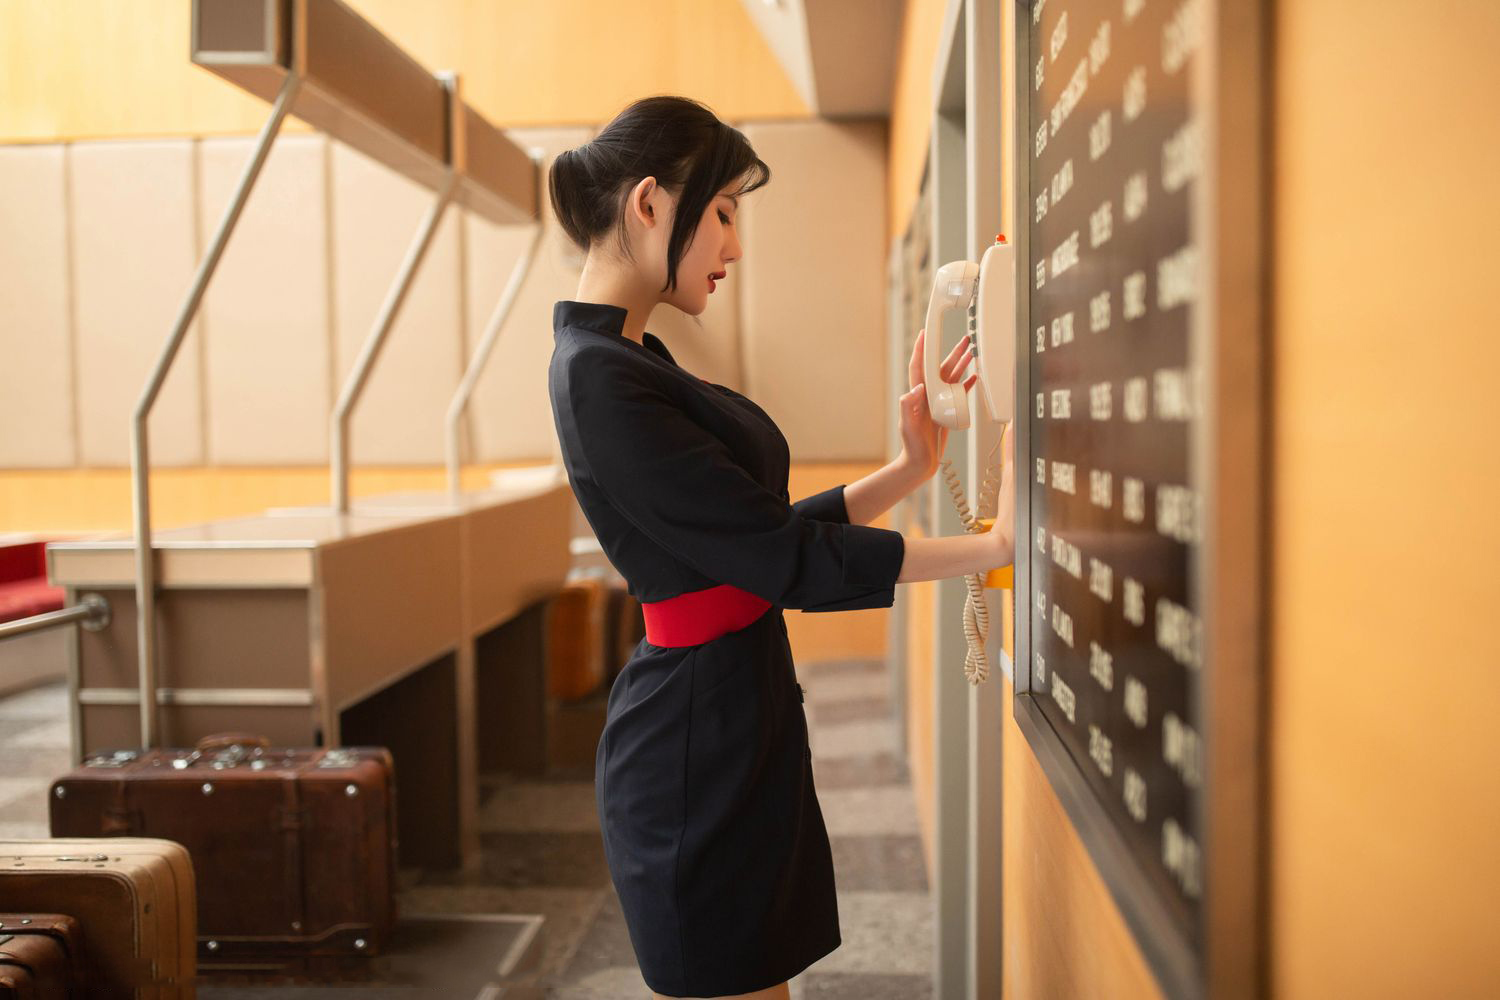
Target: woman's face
715	243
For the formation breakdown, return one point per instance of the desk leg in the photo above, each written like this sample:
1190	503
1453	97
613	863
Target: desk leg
468	760
414	719
511	684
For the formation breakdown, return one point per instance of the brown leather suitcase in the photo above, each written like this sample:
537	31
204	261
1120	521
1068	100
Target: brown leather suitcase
37	955
134	904
575	665
294	848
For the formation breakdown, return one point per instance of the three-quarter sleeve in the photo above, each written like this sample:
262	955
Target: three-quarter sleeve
825	506
681	486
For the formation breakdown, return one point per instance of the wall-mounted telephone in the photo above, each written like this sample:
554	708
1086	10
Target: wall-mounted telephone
991	286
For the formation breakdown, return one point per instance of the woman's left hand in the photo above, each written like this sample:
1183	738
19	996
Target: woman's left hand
922	438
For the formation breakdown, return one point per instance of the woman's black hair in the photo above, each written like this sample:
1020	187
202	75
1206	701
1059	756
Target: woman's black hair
677	140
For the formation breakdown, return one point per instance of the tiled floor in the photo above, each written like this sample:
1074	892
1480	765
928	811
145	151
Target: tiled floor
543	854
34	746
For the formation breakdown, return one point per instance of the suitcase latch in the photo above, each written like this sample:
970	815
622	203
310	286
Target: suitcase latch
117	758
339	757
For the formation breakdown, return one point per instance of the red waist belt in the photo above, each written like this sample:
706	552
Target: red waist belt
700	615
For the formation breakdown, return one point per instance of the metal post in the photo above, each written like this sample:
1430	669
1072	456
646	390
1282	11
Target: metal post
145	577
460	401
350	394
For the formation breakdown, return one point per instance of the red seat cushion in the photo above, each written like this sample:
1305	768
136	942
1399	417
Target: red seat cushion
25	598
24	590
23	561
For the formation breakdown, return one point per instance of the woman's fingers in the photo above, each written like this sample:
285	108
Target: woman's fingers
957	348
951	370
952	367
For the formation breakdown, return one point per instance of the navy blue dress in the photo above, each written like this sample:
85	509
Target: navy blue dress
712	832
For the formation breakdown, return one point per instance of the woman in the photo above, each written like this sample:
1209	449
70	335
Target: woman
712	831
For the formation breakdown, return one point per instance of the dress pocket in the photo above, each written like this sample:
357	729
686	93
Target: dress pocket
743	655
715	664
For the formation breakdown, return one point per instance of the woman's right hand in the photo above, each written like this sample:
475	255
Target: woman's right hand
968	553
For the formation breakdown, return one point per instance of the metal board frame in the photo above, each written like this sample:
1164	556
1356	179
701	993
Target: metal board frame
1229	454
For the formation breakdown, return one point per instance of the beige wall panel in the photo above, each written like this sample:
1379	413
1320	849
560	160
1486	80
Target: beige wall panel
266	312
131	213
36	379
813	296
510	415
376	212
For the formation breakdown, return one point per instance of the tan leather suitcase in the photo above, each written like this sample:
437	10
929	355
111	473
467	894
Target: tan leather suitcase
294	848
575	667
135	903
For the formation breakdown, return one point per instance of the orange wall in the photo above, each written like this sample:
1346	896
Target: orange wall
69	501
1384	689
82	69
911	107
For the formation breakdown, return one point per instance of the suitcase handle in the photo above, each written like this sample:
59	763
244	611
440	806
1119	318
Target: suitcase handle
219	741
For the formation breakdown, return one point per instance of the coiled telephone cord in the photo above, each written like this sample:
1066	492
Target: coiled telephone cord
976	610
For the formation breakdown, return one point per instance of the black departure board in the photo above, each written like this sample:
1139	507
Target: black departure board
1115	277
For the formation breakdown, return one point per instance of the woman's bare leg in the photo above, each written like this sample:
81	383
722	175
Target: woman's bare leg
780	992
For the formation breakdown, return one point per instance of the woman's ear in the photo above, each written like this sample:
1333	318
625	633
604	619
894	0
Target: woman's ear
642	197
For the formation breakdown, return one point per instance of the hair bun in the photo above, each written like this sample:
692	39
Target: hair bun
677	140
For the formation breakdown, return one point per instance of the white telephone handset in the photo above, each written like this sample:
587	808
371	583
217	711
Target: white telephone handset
993	281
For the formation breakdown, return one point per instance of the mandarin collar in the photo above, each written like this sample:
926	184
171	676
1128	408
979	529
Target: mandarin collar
597	316
600	317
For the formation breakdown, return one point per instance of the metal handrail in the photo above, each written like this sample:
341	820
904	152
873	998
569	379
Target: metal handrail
140	460
92	614
466	385
354	386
